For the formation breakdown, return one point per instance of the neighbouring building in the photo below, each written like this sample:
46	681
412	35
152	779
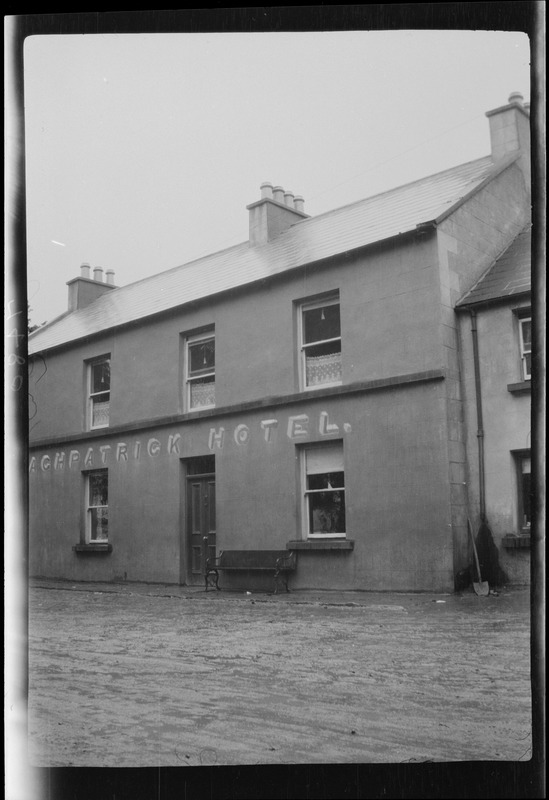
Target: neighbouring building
496	368
310	389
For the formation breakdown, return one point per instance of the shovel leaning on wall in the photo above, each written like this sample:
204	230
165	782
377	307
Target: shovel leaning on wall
482	588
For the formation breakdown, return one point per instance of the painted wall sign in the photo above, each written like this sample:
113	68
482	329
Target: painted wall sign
297	427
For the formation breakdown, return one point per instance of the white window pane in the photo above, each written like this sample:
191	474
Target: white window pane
202	393
99	524
327	458
100	412
321	369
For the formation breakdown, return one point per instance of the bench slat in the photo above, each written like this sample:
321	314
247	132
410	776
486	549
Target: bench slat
252	559
275	561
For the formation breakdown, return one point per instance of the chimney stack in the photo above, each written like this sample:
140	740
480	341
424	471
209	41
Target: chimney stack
510	131
274	213
83	290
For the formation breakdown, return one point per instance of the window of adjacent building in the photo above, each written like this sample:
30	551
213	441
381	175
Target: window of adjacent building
524	486
320	335
200	371
99	392
97	507
525	335
324	491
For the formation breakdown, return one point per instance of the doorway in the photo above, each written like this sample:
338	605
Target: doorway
200	516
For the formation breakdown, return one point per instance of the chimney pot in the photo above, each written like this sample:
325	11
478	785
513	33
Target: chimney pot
109	277
278	194
98	274
289	199
84	270
298	203
516	97
266	190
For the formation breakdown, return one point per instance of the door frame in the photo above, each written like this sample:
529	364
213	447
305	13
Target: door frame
187	577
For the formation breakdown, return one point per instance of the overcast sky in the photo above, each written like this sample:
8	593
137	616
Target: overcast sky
143	150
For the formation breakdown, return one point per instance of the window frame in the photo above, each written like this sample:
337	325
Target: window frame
524	352
306	493
91	395
89	507
190	340
519	457
309	305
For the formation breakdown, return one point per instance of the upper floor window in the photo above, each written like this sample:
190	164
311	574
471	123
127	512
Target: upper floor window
200	371
99	392
320	335
525	335
97	506
324	491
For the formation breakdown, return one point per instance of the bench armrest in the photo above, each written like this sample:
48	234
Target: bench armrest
286	561
214	562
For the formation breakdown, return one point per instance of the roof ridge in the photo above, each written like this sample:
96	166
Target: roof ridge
355	225
487	158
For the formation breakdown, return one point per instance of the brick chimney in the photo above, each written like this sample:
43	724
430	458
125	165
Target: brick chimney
83	290
273	213
510	131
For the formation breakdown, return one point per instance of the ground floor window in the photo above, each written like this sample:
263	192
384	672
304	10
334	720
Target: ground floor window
524	488
97	506
324	491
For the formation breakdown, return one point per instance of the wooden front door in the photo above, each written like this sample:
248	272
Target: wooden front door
200	524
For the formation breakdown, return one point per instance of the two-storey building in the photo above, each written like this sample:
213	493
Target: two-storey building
301	390
496	367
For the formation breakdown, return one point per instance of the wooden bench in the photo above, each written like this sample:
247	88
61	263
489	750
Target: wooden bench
279	562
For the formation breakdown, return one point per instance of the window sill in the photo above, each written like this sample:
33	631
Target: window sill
104	547
516	540
314	386
524	387
320	544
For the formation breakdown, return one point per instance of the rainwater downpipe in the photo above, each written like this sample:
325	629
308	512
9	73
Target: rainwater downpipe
480	428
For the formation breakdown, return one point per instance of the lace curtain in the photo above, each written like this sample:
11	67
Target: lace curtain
202	394
323	369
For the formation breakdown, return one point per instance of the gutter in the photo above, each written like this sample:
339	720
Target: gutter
480	427
488	302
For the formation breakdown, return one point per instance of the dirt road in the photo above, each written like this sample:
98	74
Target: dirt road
169	676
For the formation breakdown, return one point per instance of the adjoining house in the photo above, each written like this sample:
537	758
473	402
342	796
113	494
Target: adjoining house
496	368
309	389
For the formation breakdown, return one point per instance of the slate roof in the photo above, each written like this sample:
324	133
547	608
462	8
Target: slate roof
310	240
511	274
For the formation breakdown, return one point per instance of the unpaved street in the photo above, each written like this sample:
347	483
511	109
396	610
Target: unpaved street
170	676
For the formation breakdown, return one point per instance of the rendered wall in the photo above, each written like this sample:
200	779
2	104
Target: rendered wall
389	327
506	423
469	241
397	496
